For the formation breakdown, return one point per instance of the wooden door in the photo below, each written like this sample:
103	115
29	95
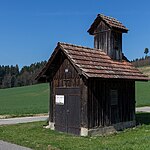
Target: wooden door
67	112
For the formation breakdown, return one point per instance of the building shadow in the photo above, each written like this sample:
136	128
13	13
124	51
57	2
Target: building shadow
143	118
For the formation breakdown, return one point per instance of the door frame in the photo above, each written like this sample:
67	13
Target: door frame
67	92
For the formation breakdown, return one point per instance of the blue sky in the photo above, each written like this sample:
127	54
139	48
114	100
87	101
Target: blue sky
30	29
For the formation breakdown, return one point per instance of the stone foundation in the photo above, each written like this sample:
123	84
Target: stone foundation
107	130
100	131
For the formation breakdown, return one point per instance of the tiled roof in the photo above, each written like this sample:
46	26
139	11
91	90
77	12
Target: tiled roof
95	63
111	22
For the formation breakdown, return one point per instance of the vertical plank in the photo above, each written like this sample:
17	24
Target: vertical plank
84	102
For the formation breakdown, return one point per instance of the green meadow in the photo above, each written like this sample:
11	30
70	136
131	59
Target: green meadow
142	90
34	99
30	100
33	135
24	100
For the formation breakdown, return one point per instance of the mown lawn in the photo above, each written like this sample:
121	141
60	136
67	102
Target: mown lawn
24	100
143	93
33	135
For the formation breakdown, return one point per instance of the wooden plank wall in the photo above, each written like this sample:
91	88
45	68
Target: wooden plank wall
108	40
62	78
84	102
116	45
66	79
99	105
102	37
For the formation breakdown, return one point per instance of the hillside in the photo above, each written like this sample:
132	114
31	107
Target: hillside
13	76
24	100
142	90
34	99
145	70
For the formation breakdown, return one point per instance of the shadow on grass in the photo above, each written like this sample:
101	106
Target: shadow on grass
143	118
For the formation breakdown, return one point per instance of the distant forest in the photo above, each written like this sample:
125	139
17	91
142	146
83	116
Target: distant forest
11	76
141	61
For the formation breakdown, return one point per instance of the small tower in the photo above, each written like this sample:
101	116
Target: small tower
107	33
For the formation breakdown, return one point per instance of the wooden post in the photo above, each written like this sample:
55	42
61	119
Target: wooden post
51	102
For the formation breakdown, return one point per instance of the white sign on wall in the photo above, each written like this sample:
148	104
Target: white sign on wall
59	99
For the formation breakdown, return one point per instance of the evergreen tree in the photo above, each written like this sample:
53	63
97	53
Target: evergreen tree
146	51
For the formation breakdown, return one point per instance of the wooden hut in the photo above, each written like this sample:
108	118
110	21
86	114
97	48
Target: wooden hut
92	90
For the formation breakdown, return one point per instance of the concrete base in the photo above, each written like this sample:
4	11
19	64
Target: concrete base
51	125
100	131
84	132
111	129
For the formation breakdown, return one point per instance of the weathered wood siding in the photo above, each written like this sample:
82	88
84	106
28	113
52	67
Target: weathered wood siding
103	102
108	40
65	77
116	45
84	102
100	110
102	37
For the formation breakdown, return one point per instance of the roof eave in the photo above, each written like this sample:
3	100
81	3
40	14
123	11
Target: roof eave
143	80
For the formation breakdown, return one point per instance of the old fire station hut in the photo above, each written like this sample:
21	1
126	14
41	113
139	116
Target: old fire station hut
92	90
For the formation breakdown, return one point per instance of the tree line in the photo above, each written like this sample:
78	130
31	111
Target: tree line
139	62
11	76
144	61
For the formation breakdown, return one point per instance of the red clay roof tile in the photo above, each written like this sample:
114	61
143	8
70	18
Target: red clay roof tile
111	22
96	63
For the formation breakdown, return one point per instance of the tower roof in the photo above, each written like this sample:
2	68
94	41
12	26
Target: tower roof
109	21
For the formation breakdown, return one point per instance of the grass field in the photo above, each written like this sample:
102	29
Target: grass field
34	136
34	99
143	89
143	93
24	100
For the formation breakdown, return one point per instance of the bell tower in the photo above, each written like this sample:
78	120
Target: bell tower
107	32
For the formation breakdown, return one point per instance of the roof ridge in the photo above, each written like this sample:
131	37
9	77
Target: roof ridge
109	20
79	46
112	18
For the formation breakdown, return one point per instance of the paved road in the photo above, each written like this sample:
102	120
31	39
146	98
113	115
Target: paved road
22	120
9	146
143	109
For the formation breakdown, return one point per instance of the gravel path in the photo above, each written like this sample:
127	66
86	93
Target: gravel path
9	146
143	109
22	120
